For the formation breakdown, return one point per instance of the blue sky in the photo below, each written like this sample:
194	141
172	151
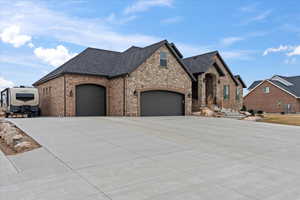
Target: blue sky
257	39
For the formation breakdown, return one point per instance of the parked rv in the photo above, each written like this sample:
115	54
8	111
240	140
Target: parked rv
20	100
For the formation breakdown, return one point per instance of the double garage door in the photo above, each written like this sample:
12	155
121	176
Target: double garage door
161	103
91	101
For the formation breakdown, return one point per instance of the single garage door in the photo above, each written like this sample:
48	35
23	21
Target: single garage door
90	100
162	103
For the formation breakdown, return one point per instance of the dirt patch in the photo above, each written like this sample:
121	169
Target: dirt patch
13	140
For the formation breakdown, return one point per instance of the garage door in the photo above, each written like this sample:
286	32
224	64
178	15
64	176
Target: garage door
90	100
162	103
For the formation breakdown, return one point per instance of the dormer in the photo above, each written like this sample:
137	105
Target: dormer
281	80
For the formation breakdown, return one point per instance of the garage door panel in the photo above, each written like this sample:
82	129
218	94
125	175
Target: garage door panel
162	103
90	100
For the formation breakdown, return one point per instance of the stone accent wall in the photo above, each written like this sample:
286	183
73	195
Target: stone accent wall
239	102
116	96
220	81
52	97
72	80
273	102
151	76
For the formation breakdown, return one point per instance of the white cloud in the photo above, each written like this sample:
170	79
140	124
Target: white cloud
291	52
249	8
113	19
13	36
259	17
237	54
278	49
20	59
262	16
231	40
37	20
295	52
5	83
143	5
172	20
30	44
55	57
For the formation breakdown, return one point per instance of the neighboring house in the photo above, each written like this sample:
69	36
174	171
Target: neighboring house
149	81
215	84
274	95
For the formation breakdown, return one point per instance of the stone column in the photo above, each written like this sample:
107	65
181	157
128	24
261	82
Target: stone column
201	91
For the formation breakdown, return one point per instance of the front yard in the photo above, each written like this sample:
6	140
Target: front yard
288	119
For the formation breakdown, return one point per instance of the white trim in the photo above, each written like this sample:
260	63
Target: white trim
272	84
254	88
284	82
283	89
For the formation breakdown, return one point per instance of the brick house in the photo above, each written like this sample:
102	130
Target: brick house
148	81
215	84
274	95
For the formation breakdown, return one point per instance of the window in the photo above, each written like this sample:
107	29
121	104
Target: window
238	94
4	98
24	96
266	90
279	103
226	92
163	59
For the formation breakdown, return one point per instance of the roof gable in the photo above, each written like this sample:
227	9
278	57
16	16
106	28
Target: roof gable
109	63
290	85
201	63
239	78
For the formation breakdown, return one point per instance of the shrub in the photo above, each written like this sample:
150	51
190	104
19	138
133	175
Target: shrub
260	112
244	108
251	112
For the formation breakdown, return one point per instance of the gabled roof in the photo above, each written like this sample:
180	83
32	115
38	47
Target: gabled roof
238	77
201	63
109	63
254	84
292	88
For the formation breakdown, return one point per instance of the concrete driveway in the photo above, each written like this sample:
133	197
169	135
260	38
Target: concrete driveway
155	158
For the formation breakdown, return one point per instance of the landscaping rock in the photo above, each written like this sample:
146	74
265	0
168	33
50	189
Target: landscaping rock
13	140
253	118
23	146
207	112
17	137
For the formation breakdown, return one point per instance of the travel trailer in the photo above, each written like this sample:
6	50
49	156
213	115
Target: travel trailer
20	100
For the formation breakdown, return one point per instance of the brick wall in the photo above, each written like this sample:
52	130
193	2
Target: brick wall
116	96
52	97
151	76
272	102
72	80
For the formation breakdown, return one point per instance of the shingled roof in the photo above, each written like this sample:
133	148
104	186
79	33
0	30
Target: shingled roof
293	86
201	63
109	63
239	78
